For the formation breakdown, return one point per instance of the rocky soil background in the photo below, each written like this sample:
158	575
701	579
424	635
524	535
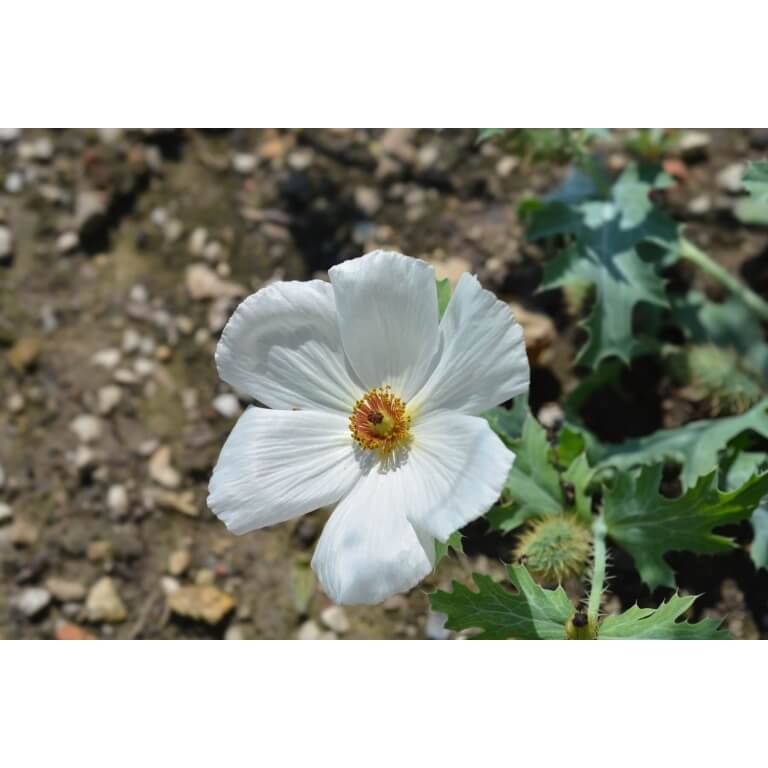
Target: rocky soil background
123	253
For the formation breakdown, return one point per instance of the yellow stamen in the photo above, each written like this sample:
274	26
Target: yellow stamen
379	421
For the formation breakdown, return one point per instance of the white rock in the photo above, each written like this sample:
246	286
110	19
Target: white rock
87	428
197	241
67	242
117	499
6	513
310	630
300	159
84	458
131	340
138	294
104	602
214	251
244	163
6	243
143	367
173	230
66	591
368	200
32	601
107	358
169	585
235	632
729	179
694	143
108	397
110	135
227	405
335	618
204	283
160	469
14	182
506	165
435	629
16	402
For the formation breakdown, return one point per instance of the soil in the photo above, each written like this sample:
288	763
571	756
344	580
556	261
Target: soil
96	294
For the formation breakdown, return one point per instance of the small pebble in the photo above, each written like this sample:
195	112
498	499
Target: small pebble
32	601
117	500
179	561
66	591
243	163
729	179
107	358
108	398
6	513
104	603
6	244
435	629
160	469
87	428
335	618
67	242
227	405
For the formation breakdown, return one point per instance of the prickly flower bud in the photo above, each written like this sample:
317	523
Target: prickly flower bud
555	548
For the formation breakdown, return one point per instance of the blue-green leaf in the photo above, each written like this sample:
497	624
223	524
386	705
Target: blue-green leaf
648	525
660	624
530	613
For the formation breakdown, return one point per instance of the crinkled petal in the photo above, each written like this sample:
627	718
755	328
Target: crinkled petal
276	465
387	309
368	550
282	347
483	360
457	467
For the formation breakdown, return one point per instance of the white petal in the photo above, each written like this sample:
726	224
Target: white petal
368	550
276	465
387	307
457	467
282	347
483	361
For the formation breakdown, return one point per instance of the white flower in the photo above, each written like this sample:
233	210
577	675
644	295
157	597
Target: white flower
374	408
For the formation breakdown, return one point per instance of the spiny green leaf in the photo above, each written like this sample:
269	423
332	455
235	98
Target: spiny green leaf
443	295
454	542
534	486
695	446
648	525
605	252
755	180
531	613
660	624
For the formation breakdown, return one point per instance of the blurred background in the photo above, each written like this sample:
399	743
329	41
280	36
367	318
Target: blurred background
122	255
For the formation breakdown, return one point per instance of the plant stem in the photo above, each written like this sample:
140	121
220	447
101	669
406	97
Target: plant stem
599	531
691	252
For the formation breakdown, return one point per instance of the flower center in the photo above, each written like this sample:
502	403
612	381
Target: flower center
379	421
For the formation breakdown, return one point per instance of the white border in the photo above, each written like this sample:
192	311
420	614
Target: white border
381	703
358	62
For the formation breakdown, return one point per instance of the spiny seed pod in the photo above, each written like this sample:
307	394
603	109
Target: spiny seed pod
555	548
715	375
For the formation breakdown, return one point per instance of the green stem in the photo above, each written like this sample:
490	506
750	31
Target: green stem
599	531
757	304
